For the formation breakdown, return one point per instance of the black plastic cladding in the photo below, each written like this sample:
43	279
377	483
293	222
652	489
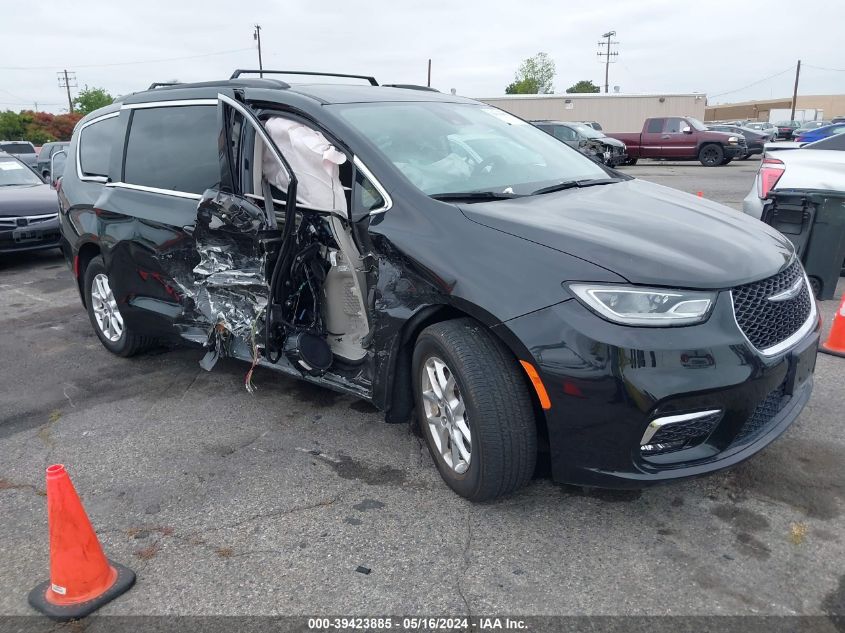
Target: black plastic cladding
767	323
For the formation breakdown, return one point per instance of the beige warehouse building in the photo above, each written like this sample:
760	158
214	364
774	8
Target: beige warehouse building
823	106
615	112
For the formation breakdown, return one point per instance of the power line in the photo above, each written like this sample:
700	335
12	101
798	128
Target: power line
148	61
759	81
838	70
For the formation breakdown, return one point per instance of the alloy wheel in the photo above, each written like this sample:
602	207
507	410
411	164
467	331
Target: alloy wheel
445	414
106	314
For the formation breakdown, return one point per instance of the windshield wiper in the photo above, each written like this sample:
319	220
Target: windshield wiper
452	196
571	184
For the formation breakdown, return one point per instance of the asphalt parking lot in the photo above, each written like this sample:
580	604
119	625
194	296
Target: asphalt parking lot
230	503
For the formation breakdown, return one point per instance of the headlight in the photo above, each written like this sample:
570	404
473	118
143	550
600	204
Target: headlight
656	307
733	139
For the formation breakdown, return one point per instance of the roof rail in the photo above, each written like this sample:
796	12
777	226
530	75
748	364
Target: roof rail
159	84
411	87
241	71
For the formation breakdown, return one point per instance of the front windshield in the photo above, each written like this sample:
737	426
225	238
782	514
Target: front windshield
451	148
587	131
696	124
13	172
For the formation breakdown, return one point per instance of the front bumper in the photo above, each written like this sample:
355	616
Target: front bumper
607	383
37	233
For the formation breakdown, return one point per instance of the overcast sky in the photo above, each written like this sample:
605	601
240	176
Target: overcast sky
475	45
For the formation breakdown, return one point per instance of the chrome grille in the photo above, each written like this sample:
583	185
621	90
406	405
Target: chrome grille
767	323
11	222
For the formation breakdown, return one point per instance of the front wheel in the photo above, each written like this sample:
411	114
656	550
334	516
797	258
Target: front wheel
105	315
631	161
474	409
711	155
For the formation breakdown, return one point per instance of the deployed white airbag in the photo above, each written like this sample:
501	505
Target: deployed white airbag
313	159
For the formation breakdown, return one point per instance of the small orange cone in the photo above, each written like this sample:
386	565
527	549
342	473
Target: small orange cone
835	343
82	579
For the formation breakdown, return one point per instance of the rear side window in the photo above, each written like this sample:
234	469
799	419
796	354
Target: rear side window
17	148
95	143
655	126
174	148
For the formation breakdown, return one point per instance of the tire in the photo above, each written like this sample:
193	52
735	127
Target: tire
497	410
631	161
726	161
127	343
711	155
744	157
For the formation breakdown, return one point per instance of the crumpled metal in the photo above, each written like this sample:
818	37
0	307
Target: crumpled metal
228	286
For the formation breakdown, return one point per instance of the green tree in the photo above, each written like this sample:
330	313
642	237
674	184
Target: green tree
11	126
523	87
90	99
585	85
535	75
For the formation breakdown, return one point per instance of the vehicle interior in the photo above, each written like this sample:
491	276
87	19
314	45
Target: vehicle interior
315	309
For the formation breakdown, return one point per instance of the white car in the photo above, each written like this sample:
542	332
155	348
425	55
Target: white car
818	166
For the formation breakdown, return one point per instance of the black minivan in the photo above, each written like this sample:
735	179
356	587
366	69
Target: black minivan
447	262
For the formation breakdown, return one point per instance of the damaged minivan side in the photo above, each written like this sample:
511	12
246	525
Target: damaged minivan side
445	261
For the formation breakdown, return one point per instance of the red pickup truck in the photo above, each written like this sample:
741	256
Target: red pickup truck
681	138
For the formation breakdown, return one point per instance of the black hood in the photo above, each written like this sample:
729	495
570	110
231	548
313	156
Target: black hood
646	233
28	200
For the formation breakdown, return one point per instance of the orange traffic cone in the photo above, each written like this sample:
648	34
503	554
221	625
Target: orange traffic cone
835	343
81	578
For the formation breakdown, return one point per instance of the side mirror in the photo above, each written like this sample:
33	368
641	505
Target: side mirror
686	129
57	168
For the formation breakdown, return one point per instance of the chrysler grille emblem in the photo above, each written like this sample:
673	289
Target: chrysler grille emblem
789	293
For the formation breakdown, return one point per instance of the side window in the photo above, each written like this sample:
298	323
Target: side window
674	125
174	148
95	144
366	196
564	133
655	126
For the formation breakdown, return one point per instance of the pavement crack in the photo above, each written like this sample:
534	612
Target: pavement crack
277	513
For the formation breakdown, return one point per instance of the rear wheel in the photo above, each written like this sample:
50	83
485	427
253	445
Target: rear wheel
474	409
711	155
105	316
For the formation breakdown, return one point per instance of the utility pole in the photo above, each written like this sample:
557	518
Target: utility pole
608	55
256	35
67	80
429	73
795	90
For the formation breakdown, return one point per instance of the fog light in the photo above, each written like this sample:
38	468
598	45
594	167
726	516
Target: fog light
677	432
